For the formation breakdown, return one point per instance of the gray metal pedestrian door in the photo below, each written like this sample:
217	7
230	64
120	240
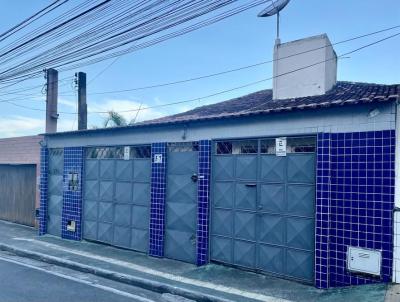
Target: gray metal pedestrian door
117	197
55	194
263	207
181	204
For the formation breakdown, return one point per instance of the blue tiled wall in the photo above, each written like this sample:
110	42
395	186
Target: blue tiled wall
203	196
44	172
72	200
355	201
158	192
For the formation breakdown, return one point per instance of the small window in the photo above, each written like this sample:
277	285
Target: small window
237	147
118	152
268	146
301	145
141	152
105	153
183	147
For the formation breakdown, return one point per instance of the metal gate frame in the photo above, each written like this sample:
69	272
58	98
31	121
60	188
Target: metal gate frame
114	180
212	190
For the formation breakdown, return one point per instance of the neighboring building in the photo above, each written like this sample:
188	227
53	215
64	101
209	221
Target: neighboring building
19	175
286	186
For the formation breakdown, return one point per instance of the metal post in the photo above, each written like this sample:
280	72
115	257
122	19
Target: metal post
277	26
51	100
82	105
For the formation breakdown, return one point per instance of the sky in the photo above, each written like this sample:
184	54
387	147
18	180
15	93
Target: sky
238	41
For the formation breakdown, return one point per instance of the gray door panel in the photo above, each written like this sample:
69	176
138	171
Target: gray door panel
107	169
92	169
181	207
263	213
223	194
106	212
272	198
106	191
142	170
224	227
301	199
117	201
246	167
221	249
244	253
301	168
245	197
271	259
141	194
55	193
272	229
245	225
224	167
124	170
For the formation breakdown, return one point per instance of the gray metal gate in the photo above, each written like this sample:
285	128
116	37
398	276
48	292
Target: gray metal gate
263	207
18	193
55	194
117	197
181	205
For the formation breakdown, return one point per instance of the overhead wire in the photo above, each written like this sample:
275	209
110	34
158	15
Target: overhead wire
238	87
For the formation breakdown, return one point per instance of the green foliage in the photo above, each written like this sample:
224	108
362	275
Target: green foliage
114	119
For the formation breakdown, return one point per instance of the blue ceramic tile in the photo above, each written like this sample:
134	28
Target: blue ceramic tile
355	199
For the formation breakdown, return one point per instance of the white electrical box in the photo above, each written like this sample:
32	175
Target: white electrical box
365	261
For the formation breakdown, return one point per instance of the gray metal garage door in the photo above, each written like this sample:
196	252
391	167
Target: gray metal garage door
263	206
18	193
55	194
181	205
117	196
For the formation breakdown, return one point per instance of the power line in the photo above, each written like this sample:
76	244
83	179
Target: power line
231	70
238	87
108	29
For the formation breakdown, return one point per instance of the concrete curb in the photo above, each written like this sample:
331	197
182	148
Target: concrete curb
144	283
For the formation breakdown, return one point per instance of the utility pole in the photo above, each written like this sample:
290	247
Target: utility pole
51	100
82	105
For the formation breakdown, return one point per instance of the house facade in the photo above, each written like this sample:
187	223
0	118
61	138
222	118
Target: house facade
297	182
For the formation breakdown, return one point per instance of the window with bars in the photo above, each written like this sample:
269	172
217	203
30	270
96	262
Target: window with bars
267	146
183	147
237	147
118	152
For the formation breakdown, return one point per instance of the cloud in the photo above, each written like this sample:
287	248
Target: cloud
16	125
68	103
20	125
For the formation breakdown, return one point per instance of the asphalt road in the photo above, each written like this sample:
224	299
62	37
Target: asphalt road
22	279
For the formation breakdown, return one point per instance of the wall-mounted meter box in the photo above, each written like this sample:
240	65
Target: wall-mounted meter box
364	261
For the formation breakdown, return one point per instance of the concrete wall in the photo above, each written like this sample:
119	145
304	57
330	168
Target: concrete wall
22	150
339	119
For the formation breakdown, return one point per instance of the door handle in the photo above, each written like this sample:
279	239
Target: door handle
194	177
251	185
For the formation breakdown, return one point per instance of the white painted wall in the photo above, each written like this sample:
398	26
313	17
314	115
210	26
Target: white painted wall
340	119
295	56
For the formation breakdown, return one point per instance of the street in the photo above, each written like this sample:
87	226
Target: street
23	280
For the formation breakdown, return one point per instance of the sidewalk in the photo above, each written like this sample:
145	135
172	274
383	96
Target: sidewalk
208	283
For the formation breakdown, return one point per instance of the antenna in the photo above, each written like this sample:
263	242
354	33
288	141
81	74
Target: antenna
274	9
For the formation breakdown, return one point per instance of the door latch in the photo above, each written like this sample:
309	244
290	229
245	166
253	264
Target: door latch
194	177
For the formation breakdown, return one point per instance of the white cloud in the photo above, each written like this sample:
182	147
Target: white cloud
20	126
17	125
68	103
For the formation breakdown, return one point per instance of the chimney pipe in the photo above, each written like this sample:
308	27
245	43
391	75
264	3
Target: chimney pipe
51	100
